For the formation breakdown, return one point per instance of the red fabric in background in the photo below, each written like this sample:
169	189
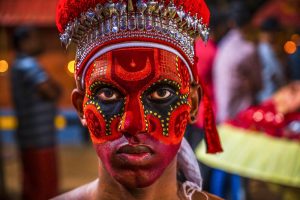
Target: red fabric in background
206	55
266	119
40	174
31	12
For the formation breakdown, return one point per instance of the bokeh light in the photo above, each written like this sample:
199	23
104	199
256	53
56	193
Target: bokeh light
3	66
290	47
71	66
60	122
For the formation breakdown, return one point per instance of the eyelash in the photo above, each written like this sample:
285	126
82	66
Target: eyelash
97	91
161	86
164	85
167	88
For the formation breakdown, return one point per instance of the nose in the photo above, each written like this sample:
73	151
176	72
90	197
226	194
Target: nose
133	120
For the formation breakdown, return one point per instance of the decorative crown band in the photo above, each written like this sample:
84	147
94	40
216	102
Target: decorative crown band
150	19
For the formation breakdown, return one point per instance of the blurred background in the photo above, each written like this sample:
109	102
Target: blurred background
76	159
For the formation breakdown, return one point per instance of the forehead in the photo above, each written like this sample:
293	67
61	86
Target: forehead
136	67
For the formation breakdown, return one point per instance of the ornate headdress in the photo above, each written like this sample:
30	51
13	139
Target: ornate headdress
99	26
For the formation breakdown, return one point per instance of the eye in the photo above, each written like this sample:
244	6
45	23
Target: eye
108	94
161	94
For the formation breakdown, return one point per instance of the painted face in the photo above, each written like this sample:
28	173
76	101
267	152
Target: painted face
137	107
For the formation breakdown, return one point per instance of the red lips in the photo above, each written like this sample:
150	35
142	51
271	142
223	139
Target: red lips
139	149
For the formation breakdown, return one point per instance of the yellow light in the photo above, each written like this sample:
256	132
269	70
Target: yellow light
60	122
3	66
290	47
8	123
71	66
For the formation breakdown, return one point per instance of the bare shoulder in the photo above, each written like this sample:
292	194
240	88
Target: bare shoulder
194	192
205	196
84	192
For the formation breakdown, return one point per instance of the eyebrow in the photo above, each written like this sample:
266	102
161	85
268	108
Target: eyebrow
164	81
105	82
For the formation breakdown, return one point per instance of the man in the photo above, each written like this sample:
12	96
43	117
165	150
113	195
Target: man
34	96
237	70
137	89
272	69
237	80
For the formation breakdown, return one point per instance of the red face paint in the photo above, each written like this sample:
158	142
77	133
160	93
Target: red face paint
137	106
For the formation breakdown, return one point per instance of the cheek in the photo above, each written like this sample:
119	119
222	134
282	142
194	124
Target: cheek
101	130
178	121
105	152
170	130
169	153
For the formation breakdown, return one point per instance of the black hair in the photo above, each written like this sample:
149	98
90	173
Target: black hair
270	24
239	13
20	34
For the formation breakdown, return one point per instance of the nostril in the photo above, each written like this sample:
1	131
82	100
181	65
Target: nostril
132	139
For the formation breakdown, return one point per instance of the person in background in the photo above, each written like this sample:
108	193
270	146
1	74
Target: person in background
272	69
35	96
237	80
237	69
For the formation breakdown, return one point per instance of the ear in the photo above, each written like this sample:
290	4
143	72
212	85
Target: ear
195	94
77	100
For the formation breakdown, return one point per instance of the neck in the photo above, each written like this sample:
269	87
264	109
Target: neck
166	187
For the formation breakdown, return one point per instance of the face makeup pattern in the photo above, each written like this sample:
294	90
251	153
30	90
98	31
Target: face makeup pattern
137	90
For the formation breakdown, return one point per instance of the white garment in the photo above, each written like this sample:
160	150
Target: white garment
272	74
187	163
236	72
189	188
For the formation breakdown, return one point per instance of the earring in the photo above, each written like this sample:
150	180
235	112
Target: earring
83	121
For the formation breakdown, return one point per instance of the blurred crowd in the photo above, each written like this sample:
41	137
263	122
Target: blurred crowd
244	64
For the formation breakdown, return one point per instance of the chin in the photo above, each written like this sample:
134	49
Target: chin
136	170
137	179
139	176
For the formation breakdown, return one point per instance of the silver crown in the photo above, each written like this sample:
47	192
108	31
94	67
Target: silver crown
150	19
